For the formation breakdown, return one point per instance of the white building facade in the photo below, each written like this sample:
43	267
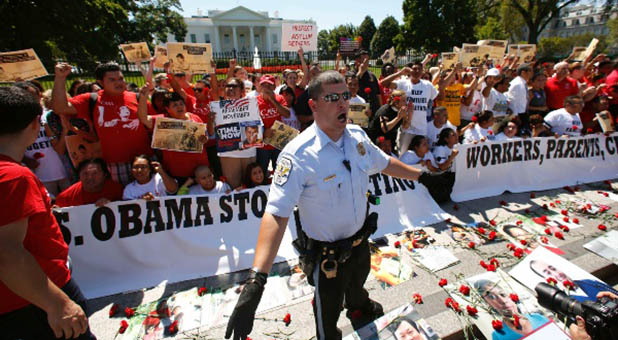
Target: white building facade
580	19
238	29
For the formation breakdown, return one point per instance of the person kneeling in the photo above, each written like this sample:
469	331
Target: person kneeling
150	180
205	184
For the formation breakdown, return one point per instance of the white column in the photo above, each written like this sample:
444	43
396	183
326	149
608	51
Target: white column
217	44
235	38
269	46
252	39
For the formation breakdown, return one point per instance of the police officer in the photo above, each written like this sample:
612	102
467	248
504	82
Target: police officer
325	171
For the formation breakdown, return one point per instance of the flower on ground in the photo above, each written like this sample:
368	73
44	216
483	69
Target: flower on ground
123	326
496	324
202	291
442	282
129	312
514	297
287	319
472	310
465	290
114	309
418	298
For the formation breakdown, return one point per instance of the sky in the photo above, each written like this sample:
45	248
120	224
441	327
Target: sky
327	14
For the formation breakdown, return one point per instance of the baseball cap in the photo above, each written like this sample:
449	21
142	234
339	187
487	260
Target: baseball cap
494	72
268	79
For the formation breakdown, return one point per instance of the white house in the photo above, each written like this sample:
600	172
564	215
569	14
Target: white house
238	29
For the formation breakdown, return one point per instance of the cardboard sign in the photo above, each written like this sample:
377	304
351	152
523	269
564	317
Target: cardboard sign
136	53
161	54
81	148
591	47
358	114
238	124
296	36
178	135
474	55
525	52
349	46
579	53
605	120
280	135
189	57
498	48
20	65
449	59
388	56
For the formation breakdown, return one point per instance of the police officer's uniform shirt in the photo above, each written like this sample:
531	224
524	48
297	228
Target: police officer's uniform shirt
563	123
310	172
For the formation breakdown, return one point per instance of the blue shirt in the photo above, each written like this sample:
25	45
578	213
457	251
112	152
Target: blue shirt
310	172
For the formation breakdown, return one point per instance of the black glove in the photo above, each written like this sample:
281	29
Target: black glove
241	320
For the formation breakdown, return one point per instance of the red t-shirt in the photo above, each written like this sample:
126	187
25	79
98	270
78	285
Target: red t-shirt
23	196
556	91
75	194
118	127
201	108
269	113
183	164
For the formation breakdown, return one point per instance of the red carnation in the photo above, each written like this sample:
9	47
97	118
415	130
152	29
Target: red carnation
490	268
558	201
471	245
442	282
519	222
544	206
589	130
490	132
565	228
396	98
380	139
202	291
568	284
551	281
565	219
523	242
287	319
552	205
465	290
605	194
602	227
397	244
482	230
527	211
129	312
532	195
518	253
472	310
450	303
493	223
123	326
483	264
367	90
514	297
544	218
418	298
510	246
503	202
576	220
516	322
173	327
492	235
38	155
496	324
559	235
113	310
494	262
616	215
475	118
435	55
544	239
574	127
564	212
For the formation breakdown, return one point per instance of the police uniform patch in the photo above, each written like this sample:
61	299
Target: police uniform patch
282	172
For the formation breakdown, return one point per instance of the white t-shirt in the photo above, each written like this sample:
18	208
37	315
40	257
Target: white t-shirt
563	123
135	190
440	154
411	158
475	135
496	102
502	137
220	188
433	133
467	112
421	95
50	165
357	100
292	120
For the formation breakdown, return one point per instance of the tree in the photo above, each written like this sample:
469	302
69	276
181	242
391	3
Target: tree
559	47
383	39
491	29
341	31
366	31
612	37
323	39
536	14
437	25
86	32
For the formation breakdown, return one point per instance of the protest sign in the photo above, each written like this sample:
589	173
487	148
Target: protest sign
280	135
198	236
401	323
189	57
578	54
525	52
498	48
533	164
295	36
349	46
20	65
449	59
605	246
238	124
591	47
605	121
388	56
178	135
358	114
136	52
161	55
390	266
80	148
474	55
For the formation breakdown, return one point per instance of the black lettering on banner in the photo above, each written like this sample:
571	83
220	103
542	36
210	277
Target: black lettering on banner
578	148
387	184
485	155
527	149
398	181
472	157
559	149
610	145
537	149
243	199
376	187
587	148
516	151
597	146
506	152
409	184
496	150
177	214
258	203
97	227
229	213
395	186
569	153
202	210
66	232
153	214
129	215
551	146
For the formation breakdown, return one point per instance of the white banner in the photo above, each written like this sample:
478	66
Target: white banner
297	36
130	245
490	168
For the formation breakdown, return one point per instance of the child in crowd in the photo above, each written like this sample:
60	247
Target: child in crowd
444	154
205	184
507	130
352	81
419	155
150	180
439	123
482	129
254	176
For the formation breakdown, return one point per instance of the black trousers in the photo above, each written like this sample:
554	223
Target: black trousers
347	285
30	322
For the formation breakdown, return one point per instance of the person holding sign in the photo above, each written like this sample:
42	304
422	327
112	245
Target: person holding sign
39	300
272	107
325	170
94	186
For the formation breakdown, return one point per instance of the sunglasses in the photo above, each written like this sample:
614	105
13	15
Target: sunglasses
334	97
231	85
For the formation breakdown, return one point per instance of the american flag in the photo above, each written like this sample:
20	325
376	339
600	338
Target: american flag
236	103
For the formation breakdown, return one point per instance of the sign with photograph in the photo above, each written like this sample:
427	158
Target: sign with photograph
388	56
20	65
136	52
579	53
280	134
474	55
178	135
238	124
525	52
80	148
349	46
605	121
591	47
449	59
358	114
401	323
299	35
189	57
161	54
498	48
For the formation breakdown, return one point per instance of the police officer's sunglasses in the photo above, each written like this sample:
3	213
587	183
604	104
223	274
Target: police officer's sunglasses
334	97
